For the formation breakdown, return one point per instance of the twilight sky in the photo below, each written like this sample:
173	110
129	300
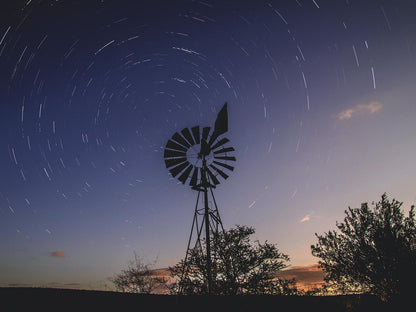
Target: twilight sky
321	102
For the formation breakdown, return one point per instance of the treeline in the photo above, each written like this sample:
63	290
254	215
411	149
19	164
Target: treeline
372	251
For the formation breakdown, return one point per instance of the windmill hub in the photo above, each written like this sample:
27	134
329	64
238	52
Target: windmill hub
195	156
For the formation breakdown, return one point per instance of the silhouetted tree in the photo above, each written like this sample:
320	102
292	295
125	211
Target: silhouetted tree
138	278
238	266
373	250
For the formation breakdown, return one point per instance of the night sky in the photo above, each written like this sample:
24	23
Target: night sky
321	103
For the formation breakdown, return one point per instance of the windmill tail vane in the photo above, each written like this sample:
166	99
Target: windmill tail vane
201	159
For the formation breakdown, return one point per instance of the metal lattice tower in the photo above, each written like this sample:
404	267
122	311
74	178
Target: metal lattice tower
201	157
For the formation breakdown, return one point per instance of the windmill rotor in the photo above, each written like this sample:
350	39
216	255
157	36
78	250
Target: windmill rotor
189	151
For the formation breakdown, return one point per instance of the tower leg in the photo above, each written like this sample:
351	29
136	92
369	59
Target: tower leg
207	241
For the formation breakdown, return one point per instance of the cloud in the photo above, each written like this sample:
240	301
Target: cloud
307	276
305	218
360	109
57	254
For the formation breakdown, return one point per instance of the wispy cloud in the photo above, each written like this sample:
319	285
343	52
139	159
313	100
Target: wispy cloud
305	218
57	254
360	109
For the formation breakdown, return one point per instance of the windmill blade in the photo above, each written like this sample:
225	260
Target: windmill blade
176	170
172	153
178	138
224	150
197	134
220	142
225	157
222	173
170	162
175	146
212	176
205	133
188	136
194	179
224	165
185	174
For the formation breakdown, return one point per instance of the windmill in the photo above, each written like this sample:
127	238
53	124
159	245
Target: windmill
199	158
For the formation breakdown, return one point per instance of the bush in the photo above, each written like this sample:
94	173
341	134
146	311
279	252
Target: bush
238	266
373	250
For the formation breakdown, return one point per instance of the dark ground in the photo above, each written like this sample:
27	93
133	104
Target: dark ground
36	299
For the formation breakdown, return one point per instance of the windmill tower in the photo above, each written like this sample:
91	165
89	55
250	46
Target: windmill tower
198	158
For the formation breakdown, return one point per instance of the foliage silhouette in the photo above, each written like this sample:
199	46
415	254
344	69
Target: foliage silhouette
138	278
373	250
238	266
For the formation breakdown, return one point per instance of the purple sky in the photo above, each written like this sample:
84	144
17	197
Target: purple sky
321	115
